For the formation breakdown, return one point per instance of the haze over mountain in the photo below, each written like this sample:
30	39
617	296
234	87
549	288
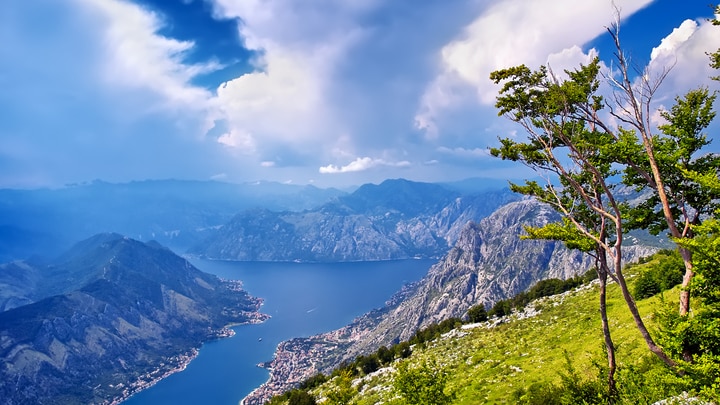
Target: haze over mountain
396	219
107	318
173	212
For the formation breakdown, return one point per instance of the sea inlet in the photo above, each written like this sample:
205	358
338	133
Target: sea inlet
302	299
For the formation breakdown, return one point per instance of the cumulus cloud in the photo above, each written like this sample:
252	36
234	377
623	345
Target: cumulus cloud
137	55
510	33
361	164
683	51
285	99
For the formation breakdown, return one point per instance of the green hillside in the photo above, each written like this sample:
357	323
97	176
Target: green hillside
551	348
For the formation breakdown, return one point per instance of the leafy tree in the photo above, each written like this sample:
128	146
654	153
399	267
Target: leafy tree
570	141
565	143
342	392
477	313
715	56
500	309
677	154
385	355
422	385
300	397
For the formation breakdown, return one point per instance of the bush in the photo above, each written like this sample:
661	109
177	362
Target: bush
422	385
477	313
646	285
300	397
663	275
537	394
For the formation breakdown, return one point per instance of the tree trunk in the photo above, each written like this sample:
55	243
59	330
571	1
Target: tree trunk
672	226
602	271
632	306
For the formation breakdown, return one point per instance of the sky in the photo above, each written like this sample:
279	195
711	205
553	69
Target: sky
325	92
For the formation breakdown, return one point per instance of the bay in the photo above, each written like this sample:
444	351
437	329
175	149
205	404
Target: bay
302	299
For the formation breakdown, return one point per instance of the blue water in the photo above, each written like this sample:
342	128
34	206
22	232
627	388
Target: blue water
303	299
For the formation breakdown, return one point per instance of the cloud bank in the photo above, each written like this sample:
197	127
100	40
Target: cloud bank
337	92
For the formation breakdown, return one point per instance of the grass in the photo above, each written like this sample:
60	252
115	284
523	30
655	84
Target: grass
488	363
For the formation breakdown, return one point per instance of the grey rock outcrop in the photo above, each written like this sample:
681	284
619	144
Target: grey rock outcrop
397	219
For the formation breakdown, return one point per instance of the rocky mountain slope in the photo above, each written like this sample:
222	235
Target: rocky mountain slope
489	262
396	219
108	318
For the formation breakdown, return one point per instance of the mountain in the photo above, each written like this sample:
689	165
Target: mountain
396	219
489	262
173	212
548	352
107	318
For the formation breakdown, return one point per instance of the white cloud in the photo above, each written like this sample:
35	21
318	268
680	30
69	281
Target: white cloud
464	152
267	163
510	33
361	164
239	140
684	51
286	99
138	56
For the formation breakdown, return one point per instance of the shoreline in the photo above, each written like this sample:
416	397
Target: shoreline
295	360
182	361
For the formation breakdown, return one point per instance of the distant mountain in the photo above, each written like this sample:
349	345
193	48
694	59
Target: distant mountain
175	213
488	262
396	219
107	318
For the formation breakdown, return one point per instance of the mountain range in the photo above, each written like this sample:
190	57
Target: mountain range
108	317
489	262
396	219
113	314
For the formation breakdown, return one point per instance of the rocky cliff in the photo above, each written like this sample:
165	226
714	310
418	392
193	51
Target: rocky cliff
394	220
108	318
489	262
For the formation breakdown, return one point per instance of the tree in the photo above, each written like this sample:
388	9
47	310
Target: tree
715	56
575	142
300	397
567	143
422	385
677	150
342	391
477	313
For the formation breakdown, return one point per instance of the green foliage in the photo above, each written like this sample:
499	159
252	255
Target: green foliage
433	331
342	391
646	285
706	259
477	313
681	162
313	381
422	384
300	397
699	332
543	288
665	273
293	397
538	394
566	232
573	389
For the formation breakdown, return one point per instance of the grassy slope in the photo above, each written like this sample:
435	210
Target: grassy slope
486	364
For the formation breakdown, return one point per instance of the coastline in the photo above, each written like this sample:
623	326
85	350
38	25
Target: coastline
180	362
149	379
298	359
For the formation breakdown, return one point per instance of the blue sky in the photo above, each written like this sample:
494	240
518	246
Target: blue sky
326	92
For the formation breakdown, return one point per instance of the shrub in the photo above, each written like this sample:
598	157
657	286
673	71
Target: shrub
477	313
